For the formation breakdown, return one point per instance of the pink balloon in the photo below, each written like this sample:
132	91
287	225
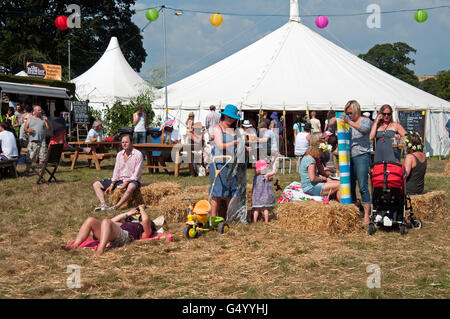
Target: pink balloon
321	22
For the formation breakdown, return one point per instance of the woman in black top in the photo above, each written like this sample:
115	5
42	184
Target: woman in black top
415	164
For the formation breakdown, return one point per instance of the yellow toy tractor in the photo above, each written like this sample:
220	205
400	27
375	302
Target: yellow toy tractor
199	219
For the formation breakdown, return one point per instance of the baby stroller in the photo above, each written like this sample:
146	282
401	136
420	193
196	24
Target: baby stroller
389	199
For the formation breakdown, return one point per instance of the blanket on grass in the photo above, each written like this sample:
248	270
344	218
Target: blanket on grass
91	243
295	192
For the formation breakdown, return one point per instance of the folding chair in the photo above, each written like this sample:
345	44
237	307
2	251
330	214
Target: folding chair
52	160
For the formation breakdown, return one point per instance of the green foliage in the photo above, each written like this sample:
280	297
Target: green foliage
439	87
393	59
120	115
28	31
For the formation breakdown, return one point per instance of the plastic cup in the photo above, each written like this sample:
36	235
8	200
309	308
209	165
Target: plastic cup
325	201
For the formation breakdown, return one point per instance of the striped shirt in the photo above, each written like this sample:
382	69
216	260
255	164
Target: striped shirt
129	169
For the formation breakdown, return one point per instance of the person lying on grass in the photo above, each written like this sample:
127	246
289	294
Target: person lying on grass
114	232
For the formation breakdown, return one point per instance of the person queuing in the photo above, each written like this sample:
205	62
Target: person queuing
12	119
36	127
359	154
126	176
315	123
331	122
225	141
139	123
23	137
212	119
415	164
302	143
386	132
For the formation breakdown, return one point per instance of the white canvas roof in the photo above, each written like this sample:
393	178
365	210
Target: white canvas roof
294	68
111	78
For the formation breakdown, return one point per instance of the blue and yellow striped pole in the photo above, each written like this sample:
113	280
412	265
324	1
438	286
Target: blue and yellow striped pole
343	133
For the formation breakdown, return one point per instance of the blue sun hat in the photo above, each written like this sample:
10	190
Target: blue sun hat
231	111
274	115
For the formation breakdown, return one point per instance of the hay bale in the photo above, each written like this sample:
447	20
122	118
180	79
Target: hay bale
135	200
200	191
153	193
429	205
447	170
315	217
174	207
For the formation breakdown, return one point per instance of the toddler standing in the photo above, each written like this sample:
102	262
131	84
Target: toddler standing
262	193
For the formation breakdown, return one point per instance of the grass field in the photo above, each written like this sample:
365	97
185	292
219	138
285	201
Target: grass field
256	261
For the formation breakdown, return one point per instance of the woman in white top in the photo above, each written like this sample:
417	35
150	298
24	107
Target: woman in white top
140	131
302	143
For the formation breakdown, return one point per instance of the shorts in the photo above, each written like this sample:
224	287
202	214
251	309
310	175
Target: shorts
122	239
107	182
316	190
35	148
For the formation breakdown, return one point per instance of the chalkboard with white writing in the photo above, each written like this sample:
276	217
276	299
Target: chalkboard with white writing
80	112
413	120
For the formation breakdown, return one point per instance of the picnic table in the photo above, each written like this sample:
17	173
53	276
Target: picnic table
157	147
93	155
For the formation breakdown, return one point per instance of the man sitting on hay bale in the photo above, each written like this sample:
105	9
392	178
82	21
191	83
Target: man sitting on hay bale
127	175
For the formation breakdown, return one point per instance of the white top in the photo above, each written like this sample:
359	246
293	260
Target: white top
315	125
140	125
9	145
301	143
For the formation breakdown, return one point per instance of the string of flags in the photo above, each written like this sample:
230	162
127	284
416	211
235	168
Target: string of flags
216	19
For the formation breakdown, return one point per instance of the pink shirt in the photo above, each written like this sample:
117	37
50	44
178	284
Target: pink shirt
129	169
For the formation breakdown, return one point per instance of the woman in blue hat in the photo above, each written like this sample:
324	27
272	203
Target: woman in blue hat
225	140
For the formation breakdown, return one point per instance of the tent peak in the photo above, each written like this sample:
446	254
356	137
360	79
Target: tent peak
294	12
113	44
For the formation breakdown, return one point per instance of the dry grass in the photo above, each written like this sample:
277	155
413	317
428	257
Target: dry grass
256	261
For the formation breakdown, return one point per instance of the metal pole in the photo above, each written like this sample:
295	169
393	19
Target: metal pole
165	59
69	59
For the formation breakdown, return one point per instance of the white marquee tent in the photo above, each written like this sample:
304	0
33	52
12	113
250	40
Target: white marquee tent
294	69
111	78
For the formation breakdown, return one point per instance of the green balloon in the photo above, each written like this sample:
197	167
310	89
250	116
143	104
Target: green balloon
152	14
421	16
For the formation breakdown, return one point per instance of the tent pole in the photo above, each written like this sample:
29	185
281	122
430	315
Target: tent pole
165	59
284	129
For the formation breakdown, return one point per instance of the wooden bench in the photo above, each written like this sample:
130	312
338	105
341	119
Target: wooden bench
11	164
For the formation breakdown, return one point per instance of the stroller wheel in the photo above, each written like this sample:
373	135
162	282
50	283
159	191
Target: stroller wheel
372	229
417	223
403	229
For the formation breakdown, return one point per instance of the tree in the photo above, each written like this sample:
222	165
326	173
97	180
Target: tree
439	86
120	115
28	32
393	59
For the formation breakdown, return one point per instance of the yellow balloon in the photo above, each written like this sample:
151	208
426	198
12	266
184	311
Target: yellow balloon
216	19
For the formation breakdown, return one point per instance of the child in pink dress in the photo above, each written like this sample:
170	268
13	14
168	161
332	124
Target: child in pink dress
262	194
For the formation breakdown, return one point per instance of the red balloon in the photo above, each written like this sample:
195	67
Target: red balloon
61	23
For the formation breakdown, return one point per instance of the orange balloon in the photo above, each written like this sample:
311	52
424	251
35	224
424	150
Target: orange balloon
216	19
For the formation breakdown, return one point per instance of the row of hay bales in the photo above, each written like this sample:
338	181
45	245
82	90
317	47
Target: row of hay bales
303	216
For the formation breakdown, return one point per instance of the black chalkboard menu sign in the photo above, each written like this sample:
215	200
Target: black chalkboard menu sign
413	120
80	112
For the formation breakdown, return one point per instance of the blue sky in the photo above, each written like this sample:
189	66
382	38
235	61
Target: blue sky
193	43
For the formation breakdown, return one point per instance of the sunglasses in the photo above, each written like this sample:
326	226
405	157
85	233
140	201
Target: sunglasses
349	113
386	114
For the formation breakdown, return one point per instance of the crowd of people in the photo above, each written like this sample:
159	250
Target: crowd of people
316	151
